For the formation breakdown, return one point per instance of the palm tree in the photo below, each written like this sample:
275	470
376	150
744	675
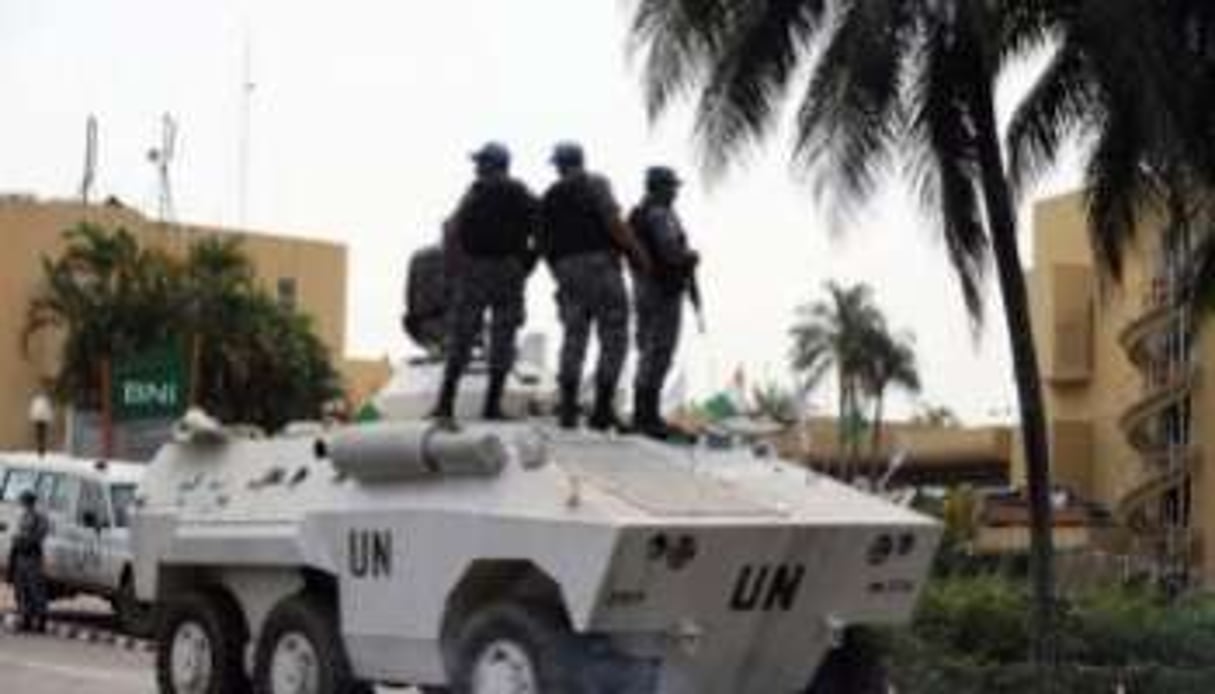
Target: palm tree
836	334
892	80
890	362
1136	79
106	297
217	275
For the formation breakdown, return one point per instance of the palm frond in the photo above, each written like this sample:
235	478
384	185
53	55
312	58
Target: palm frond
851	113
1060	105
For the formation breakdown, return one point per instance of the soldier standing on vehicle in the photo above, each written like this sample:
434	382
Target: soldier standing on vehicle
25	564
659	294
492	234
582	238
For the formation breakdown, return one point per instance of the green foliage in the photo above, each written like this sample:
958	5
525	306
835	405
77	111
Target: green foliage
256	362
971	635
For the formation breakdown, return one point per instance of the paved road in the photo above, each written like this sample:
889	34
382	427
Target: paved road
45	665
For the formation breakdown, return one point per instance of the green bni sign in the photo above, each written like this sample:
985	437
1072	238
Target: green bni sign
150	385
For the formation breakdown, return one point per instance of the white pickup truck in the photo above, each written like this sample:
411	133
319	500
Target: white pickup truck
88	550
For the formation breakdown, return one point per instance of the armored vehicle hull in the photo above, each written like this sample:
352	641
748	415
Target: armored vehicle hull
509	556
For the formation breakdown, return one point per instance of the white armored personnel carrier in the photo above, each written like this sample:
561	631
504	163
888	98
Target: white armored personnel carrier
506	557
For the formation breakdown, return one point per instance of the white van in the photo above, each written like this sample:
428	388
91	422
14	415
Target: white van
88	503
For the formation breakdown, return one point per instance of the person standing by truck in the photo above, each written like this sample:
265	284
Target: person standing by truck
25	564
492	234
582	237
659	294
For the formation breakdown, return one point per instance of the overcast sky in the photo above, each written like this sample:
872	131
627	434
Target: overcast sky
362	117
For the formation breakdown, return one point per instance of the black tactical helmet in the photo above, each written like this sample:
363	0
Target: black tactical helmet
28	497
492	154
661	178
568	154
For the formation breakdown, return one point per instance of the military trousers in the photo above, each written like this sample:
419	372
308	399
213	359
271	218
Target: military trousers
659	321
591	293
496	286
29	588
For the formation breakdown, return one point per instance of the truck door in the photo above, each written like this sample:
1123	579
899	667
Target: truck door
60	508
92	528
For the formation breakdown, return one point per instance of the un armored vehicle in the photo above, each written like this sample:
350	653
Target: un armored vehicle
506	558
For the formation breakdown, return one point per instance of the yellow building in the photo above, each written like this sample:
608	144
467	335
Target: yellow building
306	274
1123	387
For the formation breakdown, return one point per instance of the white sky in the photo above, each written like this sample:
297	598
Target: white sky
362	118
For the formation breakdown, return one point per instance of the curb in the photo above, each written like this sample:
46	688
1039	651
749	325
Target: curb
75	632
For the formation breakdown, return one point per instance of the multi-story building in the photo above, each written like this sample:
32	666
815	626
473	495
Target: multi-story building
1122	365
308	275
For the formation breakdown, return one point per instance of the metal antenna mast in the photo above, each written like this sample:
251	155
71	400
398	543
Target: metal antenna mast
246	116
162	157
90	158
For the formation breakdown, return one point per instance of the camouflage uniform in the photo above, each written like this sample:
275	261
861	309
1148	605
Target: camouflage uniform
577	213
488	244
492	284
26	569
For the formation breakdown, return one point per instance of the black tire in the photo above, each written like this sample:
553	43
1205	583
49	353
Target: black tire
314	619
550	647
220	622
853	667
131	616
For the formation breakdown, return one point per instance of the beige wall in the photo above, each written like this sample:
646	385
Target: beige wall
32	230
1113	469
1065	288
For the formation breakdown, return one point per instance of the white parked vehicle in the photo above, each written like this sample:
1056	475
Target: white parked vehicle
88	504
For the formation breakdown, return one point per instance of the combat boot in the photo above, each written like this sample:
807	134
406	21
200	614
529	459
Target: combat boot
493	397
444	410
567	405
603	416
650	422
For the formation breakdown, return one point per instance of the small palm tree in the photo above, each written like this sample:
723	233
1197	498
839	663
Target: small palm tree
106	297
890	362
836	334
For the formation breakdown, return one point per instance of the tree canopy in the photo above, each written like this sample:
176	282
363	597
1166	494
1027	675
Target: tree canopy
254	361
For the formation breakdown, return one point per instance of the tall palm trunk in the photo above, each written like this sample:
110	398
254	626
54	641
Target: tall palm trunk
878	400
1001	218
841	432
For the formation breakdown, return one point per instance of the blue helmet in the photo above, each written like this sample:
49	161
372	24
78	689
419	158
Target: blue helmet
568	154
492	154
661	178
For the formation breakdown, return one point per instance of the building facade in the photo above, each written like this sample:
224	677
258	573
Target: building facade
1122	365
308	275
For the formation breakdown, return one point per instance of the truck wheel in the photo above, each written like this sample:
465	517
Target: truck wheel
300	651
133	617
199	647
512	648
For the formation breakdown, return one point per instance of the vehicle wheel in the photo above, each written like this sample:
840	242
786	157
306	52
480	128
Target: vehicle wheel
134	618
853	667
513	649
199	647
300	651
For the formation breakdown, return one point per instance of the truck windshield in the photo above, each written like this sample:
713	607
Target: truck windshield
122	496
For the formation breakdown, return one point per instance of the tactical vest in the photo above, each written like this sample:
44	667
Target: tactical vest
573	220
496	219
666	275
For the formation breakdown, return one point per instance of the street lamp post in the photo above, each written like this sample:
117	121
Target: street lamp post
42	413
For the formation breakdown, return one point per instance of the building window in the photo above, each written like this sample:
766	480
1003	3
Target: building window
287	293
